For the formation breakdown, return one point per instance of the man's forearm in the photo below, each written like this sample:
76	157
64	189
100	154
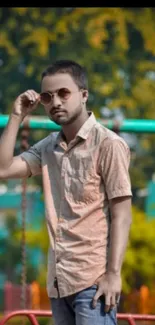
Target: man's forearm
8	140
110	284
119	232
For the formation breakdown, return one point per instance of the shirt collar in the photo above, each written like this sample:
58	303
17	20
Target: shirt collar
87	126
84	130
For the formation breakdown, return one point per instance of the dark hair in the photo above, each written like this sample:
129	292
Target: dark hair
76	71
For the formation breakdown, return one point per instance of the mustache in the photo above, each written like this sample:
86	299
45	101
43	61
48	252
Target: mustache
56	109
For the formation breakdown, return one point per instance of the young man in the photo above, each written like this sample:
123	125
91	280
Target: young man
87	195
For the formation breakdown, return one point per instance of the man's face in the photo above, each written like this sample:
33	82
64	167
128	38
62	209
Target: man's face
65	103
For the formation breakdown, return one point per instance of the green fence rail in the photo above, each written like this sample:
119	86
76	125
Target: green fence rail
127	125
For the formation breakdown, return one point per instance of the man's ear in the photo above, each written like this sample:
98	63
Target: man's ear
85	95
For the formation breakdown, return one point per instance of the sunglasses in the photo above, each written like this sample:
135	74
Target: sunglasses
63	93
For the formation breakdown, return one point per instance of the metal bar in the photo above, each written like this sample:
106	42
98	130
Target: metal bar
128	318
130	321
127	125
33	319
130	125
32	314
34	122
124	316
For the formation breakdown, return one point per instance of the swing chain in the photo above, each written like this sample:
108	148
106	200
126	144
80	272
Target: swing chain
24	146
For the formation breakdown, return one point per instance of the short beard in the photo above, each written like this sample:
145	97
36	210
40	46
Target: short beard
72	119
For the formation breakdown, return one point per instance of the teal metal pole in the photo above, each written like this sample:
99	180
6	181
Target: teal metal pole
34	122
130	125
127	125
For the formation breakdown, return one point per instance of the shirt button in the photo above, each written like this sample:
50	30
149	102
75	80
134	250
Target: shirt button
55	283
57	260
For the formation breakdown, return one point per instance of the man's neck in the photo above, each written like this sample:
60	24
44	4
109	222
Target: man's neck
72	129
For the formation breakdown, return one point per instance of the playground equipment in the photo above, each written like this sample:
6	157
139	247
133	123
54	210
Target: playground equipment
127	125
33	314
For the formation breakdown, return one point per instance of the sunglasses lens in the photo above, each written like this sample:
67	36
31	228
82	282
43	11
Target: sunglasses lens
45	98
64	93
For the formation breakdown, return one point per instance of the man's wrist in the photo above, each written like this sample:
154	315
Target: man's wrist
17	116
113	271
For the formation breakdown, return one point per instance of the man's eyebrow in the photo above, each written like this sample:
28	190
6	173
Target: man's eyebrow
52	91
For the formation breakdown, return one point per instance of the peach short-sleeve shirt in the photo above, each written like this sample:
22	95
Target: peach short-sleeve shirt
78	181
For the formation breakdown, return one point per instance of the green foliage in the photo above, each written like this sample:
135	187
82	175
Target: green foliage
139	263
113	43
38	239
11	253
117	46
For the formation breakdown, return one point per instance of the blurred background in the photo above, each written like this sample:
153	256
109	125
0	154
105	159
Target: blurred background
117	46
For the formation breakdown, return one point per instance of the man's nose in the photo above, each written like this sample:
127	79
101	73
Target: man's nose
56	101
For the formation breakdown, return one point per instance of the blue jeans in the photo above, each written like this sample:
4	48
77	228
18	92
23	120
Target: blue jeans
77	310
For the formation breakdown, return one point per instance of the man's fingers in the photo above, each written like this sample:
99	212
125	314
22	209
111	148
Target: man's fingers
96	297
36	102
111	299
30	96
117	298
107	302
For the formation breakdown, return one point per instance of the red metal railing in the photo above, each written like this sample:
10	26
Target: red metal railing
33	314
131	318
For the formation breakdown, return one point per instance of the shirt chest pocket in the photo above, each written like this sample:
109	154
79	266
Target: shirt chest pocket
82	167
83	178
